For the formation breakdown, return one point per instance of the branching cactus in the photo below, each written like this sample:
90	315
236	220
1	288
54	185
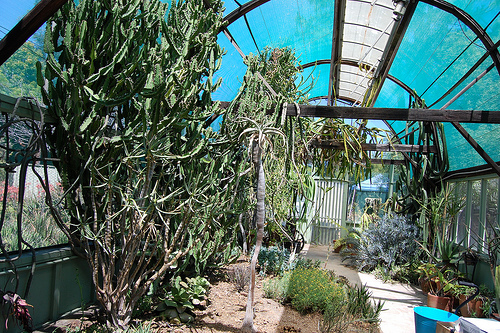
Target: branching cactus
145	177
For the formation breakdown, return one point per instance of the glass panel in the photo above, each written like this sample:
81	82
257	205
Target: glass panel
462	223
475	201
491	204
38	227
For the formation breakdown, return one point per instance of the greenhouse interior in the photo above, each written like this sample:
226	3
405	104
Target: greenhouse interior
249	166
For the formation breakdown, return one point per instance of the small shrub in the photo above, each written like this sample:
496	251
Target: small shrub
406	273
360	305
311	289
273	260
356	307
143	306
277	288
387	243
301	262
187	294
276	261
239	276
316	290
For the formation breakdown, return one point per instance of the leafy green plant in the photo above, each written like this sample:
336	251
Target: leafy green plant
404	273
187	294
360	305
182	298
277	288
437	214
312	289
276	261
356	307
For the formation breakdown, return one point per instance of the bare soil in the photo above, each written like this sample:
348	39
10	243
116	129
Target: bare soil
224	313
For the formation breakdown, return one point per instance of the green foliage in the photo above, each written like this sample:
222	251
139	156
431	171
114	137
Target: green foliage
406	273
38	226
423	178
187	294
360	305
100	328
437	216
352	160
18	73
146	177
357	307
312	289
143	306
276	261
277	288
286	176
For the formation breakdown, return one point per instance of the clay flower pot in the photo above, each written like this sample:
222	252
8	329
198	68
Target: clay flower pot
440	302
473	306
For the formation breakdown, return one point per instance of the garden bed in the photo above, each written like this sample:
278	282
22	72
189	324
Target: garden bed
224	313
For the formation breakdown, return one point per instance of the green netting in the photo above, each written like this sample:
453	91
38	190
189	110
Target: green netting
435	53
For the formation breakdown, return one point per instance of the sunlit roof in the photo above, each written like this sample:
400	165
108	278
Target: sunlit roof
380	48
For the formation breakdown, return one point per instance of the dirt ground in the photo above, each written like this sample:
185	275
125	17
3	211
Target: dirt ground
224	313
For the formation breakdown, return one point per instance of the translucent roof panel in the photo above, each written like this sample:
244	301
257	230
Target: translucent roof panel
435	53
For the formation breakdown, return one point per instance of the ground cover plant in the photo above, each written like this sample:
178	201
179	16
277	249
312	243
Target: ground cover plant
274	260
316	290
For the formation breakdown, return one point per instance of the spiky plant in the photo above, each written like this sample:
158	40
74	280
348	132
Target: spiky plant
146	180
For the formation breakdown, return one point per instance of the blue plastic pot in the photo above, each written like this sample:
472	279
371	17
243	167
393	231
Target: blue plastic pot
426	318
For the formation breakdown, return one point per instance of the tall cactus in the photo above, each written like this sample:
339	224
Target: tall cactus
131	92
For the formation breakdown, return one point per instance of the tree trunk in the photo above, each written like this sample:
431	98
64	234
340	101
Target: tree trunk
243	234
260	219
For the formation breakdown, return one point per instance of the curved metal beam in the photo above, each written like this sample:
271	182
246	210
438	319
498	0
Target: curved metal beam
343	100
242	10
472	24
355	64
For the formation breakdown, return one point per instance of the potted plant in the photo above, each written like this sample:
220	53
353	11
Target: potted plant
347	241
428	273
479	306
441	296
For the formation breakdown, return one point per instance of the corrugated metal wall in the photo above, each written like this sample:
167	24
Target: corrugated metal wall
330	205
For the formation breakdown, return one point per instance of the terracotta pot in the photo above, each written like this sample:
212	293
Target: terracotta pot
474	306
439	302
337	250
425	285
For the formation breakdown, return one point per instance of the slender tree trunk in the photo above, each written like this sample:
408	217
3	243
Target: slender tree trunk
260	219
243	234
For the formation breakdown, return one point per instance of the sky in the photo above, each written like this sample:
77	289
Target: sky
11	11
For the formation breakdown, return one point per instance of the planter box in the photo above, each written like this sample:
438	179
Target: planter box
61	283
